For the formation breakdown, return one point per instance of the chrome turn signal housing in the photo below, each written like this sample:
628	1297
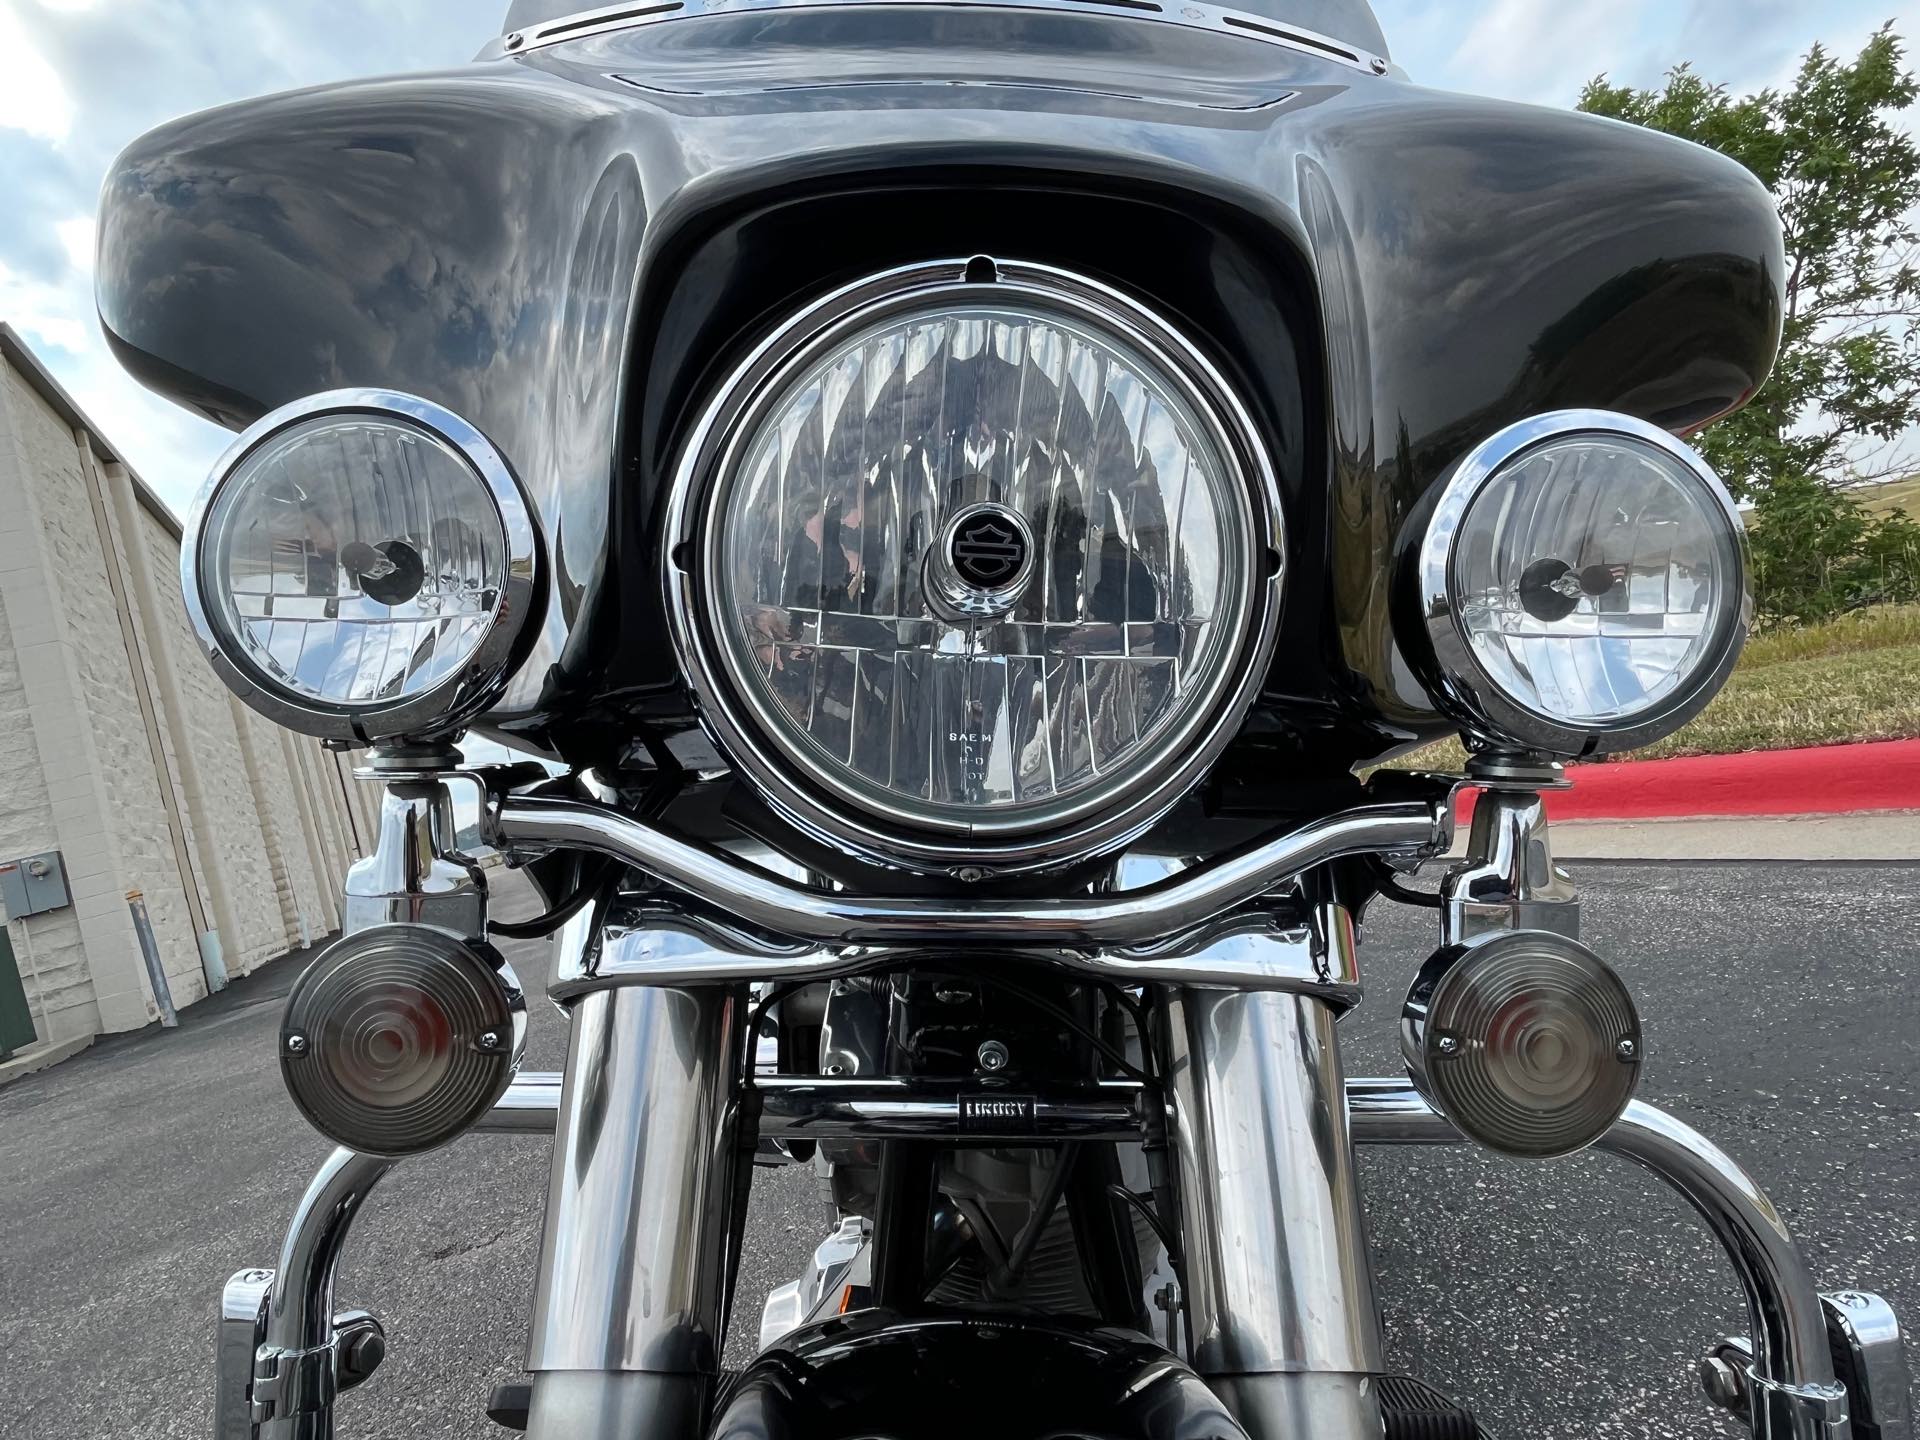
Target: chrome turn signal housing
400	1038
1526	1041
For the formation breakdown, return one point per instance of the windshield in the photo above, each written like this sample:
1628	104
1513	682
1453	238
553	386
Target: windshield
1350	21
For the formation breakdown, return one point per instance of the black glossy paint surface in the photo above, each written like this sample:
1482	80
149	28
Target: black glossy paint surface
570	247
872	1377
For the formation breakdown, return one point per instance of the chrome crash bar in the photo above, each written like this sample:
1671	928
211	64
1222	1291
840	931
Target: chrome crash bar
1792	1371
1177	905
307	1352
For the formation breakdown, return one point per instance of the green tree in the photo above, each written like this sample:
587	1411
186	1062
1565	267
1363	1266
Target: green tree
1846	177
1817	553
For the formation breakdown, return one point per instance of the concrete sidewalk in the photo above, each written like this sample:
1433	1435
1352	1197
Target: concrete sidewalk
1875	837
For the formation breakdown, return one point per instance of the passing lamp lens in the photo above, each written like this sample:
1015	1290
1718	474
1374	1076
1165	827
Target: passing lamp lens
360	567
400	1038
1527	1041
1586	583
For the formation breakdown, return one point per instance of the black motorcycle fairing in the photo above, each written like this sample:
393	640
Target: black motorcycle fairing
504	239
875	1376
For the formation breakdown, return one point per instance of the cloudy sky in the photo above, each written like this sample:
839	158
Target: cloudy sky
80	78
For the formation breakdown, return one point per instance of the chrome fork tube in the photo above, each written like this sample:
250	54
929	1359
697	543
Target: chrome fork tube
630	1310
1281	1314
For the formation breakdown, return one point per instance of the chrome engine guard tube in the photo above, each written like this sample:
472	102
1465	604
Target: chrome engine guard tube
1280	1306
294	1371
1133	917
1792	1365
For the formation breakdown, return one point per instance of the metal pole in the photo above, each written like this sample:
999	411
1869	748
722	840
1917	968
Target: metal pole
150	952
209	929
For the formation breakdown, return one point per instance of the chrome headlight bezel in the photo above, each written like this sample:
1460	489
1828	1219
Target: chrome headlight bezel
447	707
809	796
1459	684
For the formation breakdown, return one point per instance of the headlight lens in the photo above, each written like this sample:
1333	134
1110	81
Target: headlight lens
1586	585
360	567
978	559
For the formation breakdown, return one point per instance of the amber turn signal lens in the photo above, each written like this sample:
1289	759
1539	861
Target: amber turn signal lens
1527	1041
399	1038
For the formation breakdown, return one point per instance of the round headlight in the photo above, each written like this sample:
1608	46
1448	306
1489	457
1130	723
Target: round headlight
1584	585
975	563
361	567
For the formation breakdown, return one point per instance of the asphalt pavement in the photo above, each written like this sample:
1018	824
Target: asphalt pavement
1567	1298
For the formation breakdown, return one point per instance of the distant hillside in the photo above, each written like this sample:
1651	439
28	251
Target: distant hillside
1894	495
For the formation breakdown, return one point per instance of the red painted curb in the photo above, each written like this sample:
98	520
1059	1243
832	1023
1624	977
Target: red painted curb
1829	780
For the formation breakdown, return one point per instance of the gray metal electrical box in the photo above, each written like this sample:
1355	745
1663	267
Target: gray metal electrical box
33	884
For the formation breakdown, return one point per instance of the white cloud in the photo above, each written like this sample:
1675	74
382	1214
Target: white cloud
76	238
32	96
1543	52
42	312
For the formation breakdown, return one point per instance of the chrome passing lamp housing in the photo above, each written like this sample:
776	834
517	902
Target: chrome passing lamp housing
1582	586
400	1038
363	566
974	564
1527	1041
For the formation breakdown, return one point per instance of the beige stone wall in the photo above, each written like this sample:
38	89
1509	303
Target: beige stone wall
120	749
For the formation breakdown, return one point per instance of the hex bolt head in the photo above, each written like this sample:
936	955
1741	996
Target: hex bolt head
363	1353
296	1044
993	1056
1722	1384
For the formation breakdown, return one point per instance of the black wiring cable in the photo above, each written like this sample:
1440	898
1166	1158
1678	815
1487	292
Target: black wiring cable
759	1013
1388	879
1080	1028
1133	1005
604	873
1160	1231
1029	1239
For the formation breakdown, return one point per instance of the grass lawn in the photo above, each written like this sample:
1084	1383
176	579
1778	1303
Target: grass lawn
1856	678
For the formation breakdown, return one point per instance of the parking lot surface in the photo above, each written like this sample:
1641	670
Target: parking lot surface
1782	1009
